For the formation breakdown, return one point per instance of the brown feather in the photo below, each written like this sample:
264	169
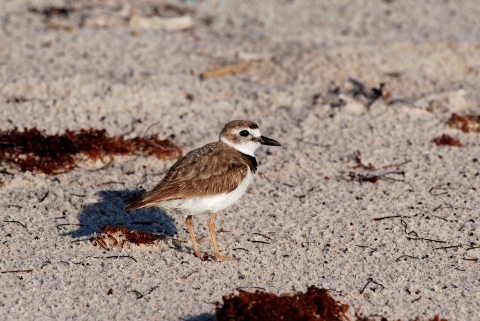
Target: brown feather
201	172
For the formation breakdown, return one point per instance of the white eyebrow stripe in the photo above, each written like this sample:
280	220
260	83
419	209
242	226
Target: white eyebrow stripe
255	132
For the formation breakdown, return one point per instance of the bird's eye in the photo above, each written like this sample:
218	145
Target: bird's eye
244	133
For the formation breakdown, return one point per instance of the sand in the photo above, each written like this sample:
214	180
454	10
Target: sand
308	206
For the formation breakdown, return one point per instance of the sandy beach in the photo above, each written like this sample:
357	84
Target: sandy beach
363	198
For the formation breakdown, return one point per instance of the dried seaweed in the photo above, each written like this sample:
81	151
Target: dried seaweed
33	150
468	123
373	178
316	304
359	89
447	140
120	235
358	159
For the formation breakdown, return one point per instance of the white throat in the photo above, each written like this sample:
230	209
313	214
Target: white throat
245	148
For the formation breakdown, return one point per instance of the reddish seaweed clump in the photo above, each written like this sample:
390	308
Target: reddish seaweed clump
33	150
468	123
316	304
447	140
121	235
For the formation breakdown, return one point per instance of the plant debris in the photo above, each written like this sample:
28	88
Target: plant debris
358	159
226	70
372	94
120	235
373	178
447	140
370	173
316	304
33	150
17	271
80	14
468	123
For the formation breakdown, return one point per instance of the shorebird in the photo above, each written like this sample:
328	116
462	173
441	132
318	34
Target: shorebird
209	178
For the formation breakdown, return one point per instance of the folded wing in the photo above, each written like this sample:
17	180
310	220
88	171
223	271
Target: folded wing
205	171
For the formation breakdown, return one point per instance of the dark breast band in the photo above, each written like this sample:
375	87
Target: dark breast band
251	161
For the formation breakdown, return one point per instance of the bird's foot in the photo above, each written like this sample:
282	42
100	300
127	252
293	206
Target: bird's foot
223	258
202	255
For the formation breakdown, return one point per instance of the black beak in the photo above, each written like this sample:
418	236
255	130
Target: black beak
268	141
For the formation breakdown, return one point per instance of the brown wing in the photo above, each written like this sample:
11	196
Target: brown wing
201	172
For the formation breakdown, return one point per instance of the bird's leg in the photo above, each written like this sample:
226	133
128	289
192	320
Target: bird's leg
211	228
192	236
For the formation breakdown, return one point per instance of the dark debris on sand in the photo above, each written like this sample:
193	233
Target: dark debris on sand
120	235
467	123
446	140
33	150
316	304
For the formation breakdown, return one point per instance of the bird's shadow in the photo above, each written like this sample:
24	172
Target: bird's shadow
200	317
110	210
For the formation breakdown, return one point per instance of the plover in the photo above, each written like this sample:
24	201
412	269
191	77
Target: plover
209	178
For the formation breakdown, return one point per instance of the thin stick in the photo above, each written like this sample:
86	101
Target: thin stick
473	248
13	205
425	239
186	276
110	182
44	197
406	256
250	287
115	257
81	240
387	217
255	241
60	225
17	271
148	128
263	236
396	165
222	71
448	247
16	222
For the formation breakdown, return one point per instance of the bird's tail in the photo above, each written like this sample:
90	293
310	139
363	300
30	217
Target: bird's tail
136	203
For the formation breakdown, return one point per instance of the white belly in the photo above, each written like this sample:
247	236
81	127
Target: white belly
211	203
